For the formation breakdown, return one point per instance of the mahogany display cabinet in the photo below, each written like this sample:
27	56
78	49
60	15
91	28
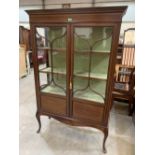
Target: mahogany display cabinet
75	80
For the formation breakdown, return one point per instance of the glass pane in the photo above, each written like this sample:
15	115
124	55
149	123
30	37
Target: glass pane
92	47
51	50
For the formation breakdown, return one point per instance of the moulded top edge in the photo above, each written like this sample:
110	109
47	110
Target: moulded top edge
116	9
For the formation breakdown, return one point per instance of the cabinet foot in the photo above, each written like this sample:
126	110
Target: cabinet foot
39	122
104	140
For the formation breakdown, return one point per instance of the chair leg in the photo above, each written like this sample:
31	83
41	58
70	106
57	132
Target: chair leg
133	106
130	106
111	104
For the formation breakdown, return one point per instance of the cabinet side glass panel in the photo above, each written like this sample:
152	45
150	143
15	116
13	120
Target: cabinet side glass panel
51	55
92	47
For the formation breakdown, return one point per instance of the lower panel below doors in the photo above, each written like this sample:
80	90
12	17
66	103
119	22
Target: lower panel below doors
53	105
88	111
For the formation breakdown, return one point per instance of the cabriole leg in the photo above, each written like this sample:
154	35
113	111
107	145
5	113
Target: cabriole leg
39	122
104	140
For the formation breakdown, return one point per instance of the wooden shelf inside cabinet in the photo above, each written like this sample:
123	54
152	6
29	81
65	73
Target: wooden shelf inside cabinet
83	74
92	75
54	49
94	52
55	71
43	48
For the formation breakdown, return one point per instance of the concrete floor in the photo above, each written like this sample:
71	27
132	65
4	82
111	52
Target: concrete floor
57	138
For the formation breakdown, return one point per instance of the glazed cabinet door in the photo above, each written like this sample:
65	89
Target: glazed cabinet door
91	53
51	47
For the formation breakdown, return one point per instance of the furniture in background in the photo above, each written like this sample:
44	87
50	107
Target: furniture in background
41	53
28	61
24	37
124	90
128	37
22	60
75	84
119	53
133	111
125	72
